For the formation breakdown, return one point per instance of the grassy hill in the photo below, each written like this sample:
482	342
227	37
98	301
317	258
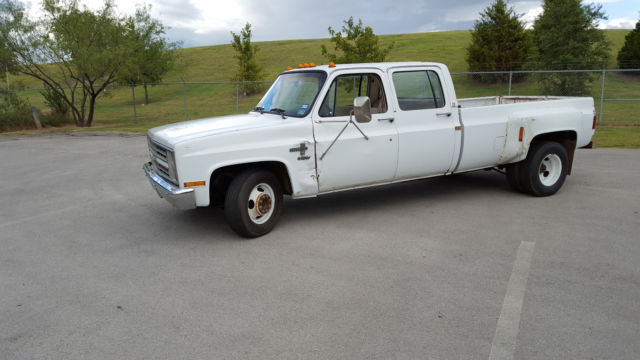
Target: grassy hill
217	63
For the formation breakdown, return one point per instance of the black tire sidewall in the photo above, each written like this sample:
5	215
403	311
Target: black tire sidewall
530	178
236	202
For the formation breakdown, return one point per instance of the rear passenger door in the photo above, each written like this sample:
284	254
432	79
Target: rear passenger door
425	122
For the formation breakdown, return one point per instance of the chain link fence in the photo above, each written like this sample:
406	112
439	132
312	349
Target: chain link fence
616	92
616	95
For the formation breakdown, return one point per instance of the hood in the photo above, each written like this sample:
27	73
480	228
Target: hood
172	134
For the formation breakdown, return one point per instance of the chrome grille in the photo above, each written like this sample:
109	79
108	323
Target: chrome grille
161	158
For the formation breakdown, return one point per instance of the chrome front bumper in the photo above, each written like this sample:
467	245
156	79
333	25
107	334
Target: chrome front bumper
183	199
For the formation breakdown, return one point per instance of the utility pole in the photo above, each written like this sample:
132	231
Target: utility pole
6	71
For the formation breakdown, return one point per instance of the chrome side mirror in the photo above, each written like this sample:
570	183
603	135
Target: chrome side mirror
362	109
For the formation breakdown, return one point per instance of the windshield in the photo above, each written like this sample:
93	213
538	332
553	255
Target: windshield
293	94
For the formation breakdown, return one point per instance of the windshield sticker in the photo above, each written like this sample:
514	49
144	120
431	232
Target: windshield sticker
302	110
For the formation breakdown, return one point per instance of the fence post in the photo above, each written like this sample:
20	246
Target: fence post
133	95
184	88
237	97
36	117
510	77
601	98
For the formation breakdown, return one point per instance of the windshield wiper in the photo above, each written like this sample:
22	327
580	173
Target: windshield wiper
278	111
260	109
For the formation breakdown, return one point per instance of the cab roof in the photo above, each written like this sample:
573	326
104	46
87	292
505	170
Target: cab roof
384	66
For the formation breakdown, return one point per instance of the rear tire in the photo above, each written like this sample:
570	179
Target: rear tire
545	169
253	203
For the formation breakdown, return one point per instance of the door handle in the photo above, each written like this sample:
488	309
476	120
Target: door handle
447	114
387	119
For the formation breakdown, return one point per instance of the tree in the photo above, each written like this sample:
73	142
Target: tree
74	52
499	42
567	37
153	57
248	68
629	55
7	58
358	44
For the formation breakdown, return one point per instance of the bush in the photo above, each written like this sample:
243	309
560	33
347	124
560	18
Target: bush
14	112
55	119
55	102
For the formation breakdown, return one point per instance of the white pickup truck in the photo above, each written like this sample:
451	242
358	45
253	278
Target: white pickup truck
321	129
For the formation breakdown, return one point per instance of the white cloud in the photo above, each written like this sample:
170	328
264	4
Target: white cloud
202	16
620	23
207	22
530	17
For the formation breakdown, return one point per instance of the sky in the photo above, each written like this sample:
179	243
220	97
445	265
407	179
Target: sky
209	22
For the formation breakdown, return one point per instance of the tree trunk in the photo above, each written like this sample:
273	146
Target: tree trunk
92	104
146	95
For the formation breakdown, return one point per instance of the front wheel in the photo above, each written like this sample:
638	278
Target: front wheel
253	203
544	170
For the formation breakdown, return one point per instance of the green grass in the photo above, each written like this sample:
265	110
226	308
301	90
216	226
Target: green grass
623	137
114	111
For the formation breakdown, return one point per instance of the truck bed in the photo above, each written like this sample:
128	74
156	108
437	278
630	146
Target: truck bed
498	100
491	133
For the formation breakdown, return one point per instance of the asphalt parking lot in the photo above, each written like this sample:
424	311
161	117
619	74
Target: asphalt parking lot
93	265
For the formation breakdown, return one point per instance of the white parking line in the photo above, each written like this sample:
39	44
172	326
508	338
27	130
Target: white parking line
506	336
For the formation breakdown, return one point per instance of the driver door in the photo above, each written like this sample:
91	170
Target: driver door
347	159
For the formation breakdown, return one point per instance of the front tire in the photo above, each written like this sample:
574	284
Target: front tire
545	169
253	203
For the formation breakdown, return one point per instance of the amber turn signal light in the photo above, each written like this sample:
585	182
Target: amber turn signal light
194	183
521	134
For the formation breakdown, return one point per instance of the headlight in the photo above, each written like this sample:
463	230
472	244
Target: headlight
164	161
171	160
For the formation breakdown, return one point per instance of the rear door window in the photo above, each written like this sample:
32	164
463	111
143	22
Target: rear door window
417	90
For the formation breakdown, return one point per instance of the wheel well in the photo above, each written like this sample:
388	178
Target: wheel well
565	138
222	177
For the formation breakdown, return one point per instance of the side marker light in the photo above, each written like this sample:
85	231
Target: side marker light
194	183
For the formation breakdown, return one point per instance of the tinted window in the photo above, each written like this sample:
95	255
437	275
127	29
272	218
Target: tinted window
418	90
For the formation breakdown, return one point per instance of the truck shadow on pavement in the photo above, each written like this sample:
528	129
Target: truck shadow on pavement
408	194
211	221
